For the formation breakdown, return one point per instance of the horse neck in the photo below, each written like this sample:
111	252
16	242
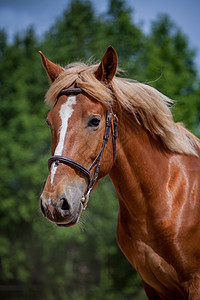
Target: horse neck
140	166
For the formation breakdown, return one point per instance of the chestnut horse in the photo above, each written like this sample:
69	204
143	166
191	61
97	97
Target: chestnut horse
153	163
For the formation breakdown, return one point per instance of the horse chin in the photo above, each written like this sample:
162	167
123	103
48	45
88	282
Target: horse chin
67	225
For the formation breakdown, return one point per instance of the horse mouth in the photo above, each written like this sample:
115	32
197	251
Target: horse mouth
67	224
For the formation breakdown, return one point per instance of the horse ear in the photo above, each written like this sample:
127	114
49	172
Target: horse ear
52	69
108	66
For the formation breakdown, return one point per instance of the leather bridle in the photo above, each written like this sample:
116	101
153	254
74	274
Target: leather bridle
97	162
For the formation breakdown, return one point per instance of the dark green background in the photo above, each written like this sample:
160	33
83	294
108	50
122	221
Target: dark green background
37	259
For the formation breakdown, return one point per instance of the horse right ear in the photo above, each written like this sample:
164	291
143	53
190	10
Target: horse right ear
53	70
108	66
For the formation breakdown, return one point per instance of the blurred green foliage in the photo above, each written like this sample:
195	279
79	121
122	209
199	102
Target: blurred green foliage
37	259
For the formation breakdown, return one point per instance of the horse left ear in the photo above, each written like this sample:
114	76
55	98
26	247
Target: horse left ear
53	70
108	66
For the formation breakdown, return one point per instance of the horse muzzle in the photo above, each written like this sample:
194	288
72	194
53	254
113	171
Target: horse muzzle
63	210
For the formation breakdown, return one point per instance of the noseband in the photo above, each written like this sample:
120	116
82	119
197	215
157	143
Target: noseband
97	162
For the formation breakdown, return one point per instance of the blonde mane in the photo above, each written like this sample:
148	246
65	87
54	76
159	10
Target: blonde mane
150	104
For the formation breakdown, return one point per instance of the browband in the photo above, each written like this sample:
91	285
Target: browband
71	91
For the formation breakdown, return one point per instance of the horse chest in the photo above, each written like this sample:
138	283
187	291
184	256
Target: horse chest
151	267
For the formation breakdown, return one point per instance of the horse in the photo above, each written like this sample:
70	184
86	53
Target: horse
102	124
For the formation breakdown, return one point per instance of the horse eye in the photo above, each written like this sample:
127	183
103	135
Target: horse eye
94	122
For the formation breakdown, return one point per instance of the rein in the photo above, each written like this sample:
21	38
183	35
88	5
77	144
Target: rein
97	161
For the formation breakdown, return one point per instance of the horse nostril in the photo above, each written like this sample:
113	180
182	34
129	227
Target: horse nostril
64	204
42	208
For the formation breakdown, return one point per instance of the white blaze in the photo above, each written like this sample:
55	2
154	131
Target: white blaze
65	112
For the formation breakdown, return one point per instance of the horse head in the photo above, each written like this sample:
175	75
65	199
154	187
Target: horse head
80	137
